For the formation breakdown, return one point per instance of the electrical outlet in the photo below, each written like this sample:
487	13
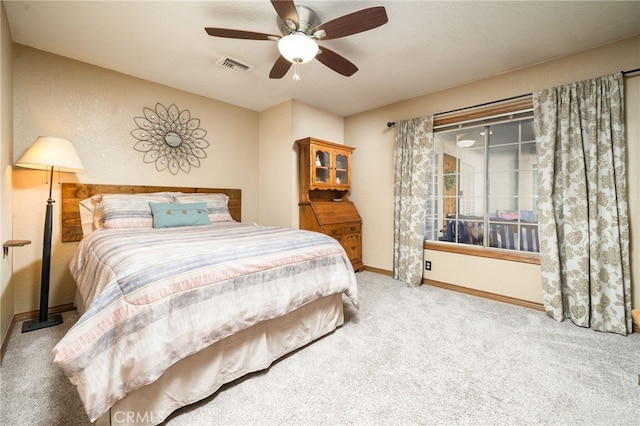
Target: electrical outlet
427	265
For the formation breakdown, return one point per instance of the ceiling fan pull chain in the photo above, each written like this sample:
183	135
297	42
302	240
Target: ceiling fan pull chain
296	75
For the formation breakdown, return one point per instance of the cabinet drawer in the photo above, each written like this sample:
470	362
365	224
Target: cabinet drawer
351	245
350	228
332	230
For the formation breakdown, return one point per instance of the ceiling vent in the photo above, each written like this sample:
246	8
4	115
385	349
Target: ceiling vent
233	64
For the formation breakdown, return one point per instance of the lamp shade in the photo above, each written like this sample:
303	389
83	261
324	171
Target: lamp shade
47	152
298	48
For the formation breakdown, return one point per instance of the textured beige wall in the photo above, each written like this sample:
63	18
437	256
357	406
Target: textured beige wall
276	182
94	108
313	122
372	188
280	127
6	185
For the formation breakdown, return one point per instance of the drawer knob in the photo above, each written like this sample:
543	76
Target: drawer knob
334	232
353	228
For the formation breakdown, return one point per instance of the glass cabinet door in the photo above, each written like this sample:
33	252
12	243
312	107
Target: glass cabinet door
322	167
330	169
342	169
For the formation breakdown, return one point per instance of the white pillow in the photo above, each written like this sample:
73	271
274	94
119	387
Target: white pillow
90	214
130	210
217	207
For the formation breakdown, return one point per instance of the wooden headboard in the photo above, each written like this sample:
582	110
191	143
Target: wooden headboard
73	193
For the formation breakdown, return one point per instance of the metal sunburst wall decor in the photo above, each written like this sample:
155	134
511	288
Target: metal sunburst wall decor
170	138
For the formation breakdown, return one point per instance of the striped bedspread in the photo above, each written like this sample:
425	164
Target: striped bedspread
155	296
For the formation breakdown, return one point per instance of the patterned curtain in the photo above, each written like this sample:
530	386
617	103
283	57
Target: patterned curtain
582	210
414	143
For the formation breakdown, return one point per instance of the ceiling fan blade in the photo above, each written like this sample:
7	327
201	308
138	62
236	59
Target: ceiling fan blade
353	23
286	10
247	35
280	68
336	62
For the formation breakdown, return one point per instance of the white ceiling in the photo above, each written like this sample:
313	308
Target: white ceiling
426	46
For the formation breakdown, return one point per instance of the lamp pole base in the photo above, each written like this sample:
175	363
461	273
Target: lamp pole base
36	324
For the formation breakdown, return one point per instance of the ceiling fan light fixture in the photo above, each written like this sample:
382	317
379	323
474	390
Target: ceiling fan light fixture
298	48
466	143
463	141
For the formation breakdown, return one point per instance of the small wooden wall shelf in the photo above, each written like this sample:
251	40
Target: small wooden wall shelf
13	243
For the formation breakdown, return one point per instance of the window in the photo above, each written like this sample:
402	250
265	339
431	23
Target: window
483	187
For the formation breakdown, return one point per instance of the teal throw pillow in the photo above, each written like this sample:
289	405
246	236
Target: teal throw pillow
169	215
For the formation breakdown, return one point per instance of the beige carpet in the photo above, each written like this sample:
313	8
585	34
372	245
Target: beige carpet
409	356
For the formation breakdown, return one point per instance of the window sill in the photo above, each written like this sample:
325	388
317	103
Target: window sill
470	250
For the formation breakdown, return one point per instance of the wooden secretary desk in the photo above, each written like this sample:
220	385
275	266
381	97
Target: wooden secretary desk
324	183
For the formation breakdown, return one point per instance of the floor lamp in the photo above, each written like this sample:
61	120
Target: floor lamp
48	153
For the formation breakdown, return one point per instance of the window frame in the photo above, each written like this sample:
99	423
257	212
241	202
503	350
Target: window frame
484	114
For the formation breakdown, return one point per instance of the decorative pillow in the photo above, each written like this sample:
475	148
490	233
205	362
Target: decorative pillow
90	214
169	215
217	208
130	210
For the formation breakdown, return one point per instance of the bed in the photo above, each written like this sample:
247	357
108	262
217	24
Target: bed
174	305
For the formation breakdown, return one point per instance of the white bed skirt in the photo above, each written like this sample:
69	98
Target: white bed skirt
200	375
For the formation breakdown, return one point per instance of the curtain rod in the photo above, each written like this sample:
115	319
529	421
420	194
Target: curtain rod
393	123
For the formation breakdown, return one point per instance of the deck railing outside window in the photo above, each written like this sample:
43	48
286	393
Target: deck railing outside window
483	186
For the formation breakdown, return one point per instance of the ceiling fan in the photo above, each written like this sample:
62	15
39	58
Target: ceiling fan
301	29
